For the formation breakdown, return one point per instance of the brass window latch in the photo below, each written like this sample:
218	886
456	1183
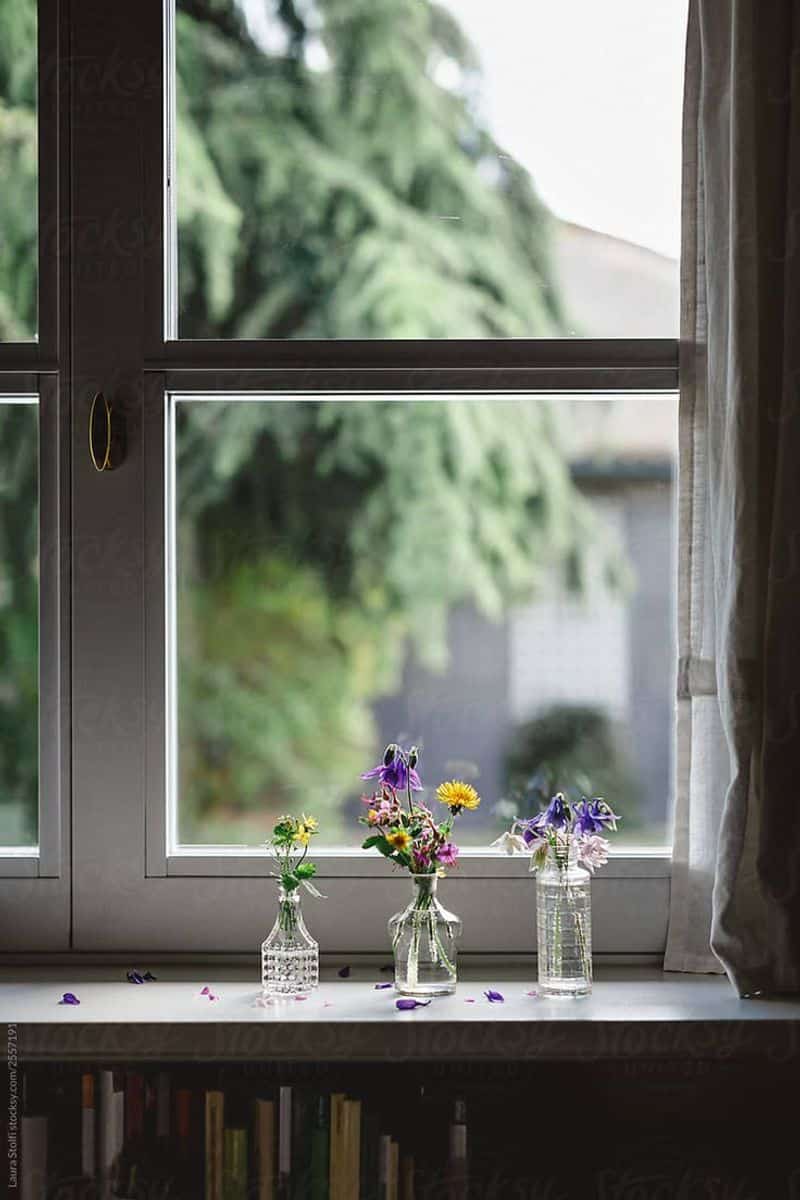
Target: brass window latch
106	435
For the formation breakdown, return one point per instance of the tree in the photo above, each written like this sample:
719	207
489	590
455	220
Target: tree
335	180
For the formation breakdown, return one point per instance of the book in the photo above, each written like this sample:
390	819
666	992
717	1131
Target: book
406	1177
234	1164
264	1149
163	1105
284	1143
215	1120
458	1179
320	1148
33	1158
351	1122
336	1159
110	1130
88	1120
393	1172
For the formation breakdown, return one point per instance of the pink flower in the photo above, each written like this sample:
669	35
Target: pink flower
447	854
592	851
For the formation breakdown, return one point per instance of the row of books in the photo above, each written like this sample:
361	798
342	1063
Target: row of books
132	1134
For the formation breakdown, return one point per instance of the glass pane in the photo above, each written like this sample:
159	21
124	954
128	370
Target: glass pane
428	169
18	171
19	621
491	578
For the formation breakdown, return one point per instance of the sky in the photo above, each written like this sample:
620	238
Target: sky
587	95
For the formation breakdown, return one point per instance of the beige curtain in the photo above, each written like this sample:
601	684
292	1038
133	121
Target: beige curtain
736	875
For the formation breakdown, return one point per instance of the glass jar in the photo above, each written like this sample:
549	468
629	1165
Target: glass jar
289	956
424	937
564	925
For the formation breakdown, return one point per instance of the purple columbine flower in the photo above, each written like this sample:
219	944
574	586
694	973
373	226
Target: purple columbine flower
69	998
557	815
406	1003
394	772
533	829
494	997
135	977
594	816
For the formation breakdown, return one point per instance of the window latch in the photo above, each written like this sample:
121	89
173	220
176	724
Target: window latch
106	435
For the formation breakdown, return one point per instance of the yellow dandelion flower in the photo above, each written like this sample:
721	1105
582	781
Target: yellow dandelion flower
457	795
303	836
399	839
310	823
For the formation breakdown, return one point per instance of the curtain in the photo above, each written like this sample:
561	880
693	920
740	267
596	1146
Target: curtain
736	856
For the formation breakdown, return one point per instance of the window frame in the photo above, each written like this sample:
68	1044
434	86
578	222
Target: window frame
111	149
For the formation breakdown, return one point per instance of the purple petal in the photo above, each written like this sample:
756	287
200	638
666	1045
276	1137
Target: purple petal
407	1003
206	991
533	993
69	998
469	1000
135	977
494	997
380	986
416	782
343	972
374	773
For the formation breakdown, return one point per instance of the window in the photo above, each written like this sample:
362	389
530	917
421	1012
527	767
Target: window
270	292
490	577
427	170
18	162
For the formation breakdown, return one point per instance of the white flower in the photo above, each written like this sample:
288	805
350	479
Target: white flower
510	842
592	851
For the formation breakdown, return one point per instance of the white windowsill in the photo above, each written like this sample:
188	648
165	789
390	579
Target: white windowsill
634	1012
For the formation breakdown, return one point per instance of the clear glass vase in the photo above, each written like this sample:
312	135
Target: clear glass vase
424	937
289	956
564	925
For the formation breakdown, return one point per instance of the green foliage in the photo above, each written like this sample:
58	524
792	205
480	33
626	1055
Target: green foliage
358	198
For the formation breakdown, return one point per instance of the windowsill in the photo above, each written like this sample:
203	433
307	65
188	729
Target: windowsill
633	1013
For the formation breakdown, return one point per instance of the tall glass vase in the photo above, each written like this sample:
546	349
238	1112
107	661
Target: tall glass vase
564	925
424	937
289	955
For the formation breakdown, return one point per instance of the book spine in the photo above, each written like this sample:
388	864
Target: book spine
163	1106
265	1149
234	1170
215	1118
352	1148
106	1133
336	1172
458	1175
88	1119
320	1149
284	1143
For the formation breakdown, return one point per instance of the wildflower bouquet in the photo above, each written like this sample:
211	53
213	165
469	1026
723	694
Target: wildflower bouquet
567	830
406	831
288	846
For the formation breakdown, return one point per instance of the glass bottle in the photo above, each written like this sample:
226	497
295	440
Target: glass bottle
424	937
564	924
289	956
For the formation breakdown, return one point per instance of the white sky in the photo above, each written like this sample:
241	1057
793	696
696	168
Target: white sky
587	94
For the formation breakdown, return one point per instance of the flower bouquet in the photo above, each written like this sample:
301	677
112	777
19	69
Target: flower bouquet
405	830
566	844
289	955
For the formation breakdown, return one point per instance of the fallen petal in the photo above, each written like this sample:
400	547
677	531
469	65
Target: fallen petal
494	997
380	986
135	977
69	998
206	991
533	993
469	1000
406	1003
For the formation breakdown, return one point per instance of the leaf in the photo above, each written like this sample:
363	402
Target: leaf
305	870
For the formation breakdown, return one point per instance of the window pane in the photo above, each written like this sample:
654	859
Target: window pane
421	169
491	578
19	621
18	171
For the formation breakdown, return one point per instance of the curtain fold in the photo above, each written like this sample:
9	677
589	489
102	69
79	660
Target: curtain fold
736	855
